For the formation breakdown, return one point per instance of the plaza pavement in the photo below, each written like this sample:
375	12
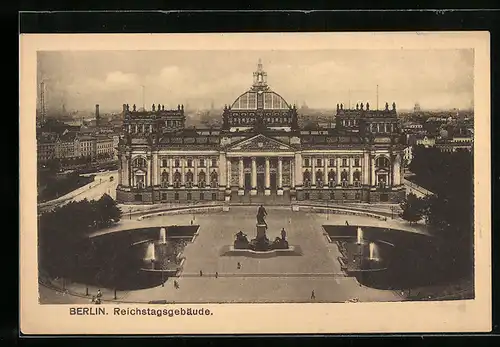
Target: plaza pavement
277	279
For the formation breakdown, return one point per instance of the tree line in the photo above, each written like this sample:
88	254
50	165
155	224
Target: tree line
449	213
61	230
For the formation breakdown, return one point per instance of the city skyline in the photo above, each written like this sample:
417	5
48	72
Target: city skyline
436	79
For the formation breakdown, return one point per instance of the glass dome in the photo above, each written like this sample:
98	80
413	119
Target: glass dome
252	100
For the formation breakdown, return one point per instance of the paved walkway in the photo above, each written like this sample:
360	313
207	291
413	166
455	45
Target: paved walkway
278	279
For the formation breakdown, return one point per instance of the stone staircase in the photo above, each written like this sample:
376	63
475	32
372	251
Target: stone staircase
260	198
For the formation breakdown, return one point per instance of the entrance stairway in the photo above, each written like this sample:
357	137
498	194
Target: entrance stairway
260	198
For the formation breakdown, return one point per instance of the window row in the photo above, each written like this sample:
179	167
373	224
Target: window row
331	162
190	162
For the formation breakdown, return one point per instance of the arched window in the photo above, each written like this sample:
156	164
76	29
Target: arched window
202	179
307	178
140	162
177	179
357	178
214	179
331	178
382	162
343	176
319	178
189	179
164	179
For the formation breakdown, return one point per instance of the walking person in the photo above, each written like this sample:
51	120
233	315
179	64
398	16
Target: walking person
99	294
201	273
313	296
347	223
216	274
238	266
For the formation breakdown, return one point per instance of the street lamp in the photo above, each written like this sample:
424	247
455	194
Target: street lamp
130	213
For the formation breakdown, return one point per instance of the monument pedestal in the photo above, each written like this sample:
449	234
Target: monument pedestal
261	231
253	192
267	191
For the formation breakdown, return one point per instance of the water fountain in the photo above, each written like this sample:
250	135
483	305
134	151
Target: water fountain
163	236
150	252
372	255
359	236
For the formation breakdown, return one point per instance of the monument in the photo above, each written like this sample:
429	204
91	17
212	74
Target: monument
261	243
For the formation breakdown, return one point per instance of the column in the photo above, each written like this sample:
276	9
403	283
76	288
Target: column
313	173
298	170
183	171
241	181
350	171
129	170
366	169
280	176
372	166
337	167
170	171
292	174
195	173
325	173
228	174
267	178
155	168
222	171
149	173
254	176
397	170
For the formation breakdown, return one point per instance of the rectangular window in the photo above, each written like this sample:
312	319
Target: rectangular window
177	163
202	196
306	162
357	196
202	162
306	196
164	196
344	162
214	162
332	162
138	197
318	162
164	162
356	162
190	163
176	196
188	196
214	196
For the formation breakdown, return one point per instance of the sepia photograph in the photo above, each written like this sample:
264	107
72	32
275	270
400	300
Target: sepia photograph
171	179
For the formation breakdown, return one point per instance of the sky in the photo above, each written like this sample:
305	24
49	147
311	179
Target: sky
436	79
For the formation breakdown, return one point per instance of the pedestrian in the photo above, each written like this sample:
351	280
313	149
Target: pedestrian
313	296
238	266
201	273
191	222
99	294
176	284
347	223
216	274
98	301
93	299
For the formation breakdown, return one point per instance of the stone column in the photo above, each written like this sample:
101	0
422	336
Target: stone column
149	172
366	169
254	176
292	174
350	171
280	176
170	171
129	170
337	167
241	181
222	171
155	168
397	170
298	179
325	174
267	178
313	176
228	174
372	166
183	171
195	174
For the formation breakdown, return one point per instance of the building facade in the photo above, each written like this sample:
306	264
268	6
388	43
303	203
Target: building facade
260	151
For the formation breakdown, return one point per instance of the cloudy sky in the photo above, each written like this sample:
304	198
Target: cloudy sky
437	79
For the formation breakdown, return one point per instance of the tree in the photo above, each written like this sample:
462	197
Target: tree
412	208
106	211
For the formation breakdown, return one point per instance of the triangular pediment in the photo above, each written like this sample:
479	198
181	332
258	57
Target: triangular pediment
259	143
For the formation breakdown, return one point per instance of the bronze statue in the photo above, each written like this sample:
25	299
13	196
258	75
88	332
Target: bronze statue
261	214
